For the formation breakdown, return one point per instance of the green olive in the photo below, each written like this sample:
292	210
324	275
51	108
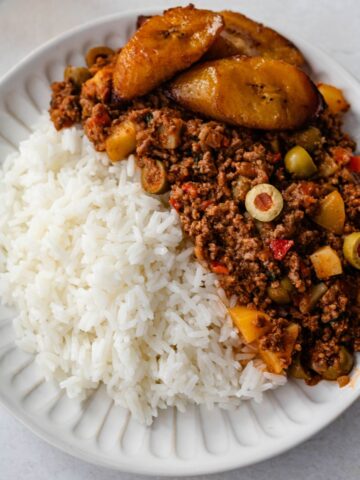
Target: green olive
279	295
264	202
287	285
153	177
296	369
299	163
351	249
95	52
342	365
309	301
308	139
282	294
76	75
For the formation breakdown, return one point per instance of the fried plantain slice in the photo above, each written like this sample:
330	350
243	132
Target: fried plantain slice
249	91
243	36
162	46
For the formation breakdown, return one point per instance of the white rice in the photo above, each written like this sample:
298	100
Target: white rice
107	287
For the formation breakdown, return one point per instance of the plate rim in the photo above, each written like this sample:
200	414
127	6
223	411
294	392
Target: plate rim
188	467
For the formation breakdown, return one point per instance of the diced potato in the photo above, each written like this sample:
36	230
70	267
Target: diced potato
243	36
331	213
276	362
252	324
291	335
170	134
162	46
326	263
122	141
272	360
171	141
334	98
248	91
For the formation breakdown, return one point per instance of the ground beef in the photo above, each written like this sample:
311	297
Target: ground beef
96	127
210	167
351	196
334	303
65	109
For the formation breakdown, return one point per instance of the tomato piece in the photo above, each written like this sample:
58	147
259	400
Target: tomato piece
308	188
354	164
219	268
102	117
341	155
175	204
280	248
191	189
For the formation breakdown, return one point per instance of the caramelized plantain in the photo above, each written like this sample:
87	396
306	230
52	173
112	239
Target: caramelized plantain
141	19
249	91
162	46
243	36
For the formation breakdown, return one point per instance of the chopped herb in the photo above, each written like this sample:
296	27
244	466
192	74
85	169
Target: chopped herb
148	118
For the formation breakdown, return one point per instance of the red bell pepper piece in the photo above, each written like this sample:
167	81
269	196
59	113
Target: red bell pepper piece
280	248
219	268
354	164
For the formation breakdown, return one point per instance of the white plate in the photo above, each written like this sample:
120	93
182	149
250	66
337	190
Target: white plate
97	431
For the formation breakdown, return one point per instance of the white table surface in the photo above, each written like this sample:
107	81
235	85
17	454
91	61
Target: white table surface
333	25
